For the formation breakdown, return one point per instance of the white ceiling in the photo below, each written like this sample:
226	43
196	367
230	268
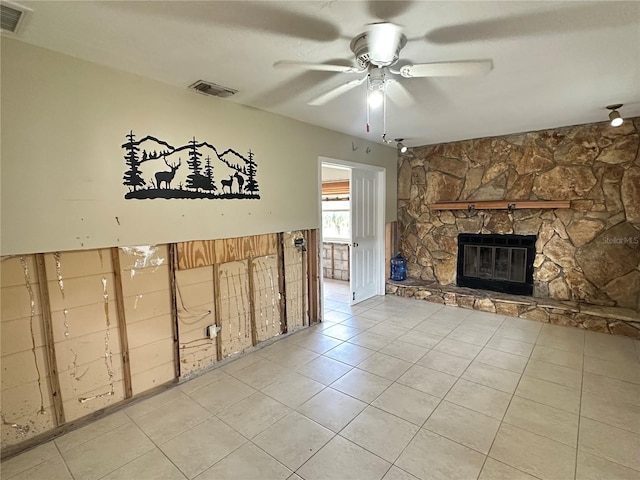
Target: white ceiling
555	63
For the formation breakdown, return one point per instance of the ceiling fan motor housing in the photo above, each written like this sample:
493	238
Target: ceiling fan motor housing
360	47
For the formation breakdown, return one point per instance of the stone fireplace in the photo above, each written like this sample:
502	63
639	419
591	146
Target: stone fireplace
585	255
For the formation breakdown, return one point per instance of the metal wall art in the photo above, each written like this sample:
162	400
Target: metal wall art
156	169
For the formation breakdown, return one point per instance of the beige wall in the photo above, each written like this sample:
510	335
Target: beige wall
64	120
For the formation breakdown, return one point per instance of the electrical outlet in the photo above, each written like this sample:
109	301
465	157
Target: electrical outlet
212	331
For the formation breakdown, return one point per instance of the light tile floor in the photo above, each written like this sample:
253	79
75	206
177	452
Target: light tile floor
392	388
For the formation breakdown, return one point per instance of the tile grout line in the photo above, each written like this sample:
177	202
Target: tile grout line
489	449
507	409
438	405
370	404
63	460
575	468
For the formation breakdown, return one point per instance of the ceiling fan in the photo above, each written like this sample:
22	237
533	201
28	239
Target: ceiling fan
377	51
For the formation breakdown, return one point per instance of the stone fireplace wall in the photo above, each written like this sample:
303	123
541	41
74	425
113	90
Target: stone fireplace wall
588	253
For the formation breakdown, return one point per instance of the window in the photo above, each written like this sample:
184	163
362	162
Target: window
336	220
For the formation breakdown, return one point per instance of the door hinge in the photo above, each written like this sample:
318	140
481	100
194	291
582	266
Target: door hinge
354	296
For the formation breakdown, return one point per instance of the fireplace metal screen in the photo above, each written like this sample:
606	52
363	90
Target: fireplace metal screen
502	263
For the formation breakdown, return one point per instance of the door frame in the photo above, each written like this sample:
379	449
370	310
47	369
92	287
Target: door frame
381	178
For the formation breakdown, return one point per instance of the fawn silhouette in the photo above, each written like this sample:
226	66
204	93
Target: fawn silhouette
227	183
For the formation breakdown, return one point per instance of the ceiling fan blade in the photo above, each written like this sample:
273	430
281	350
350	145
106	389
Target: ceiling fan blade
387	9
383	39
555	19
320	67
447	69
399	94
268	17
336	92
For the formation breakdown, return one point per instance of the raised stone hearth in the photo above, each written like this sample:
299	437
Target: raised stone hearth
588	254
615	320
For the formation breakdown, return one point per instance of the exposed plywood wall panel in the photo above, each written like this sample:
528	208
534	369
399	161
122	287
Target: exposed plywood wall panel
85	330
232	249
195	254
235	307
196	310
27	408
146	289
208	252
261	245
295	282
266	297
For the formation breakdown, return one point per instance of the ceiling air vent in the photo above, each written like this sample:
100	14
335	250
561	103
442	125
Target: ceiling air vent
208	88
12	16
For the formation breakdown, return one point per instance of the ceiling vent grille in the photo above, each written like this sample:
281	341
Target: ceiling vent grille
208	88
12	16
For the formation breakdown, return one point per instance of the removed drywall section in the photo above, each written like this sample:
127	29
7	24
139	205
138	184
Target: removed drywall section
84	316
196	311
27	406
109	324
295	282
241	274
266	297
144	274
235	307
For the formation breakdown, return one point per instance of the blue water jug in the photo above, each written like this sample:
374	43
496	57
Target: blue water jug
398	268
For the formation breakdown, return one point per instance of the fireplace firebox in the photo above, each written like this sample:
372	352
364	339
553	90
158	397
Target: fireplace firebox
502	263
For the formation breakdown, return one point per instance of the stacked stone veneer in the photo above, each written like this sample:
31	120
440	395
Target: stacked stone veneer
335	260
589	253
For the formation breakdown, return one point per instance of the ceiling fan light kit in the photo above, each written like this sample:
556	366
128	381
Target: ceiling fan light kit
614	117
375	98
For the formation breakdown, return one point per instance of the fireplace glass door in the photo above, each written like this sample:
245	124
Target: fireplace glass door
500	263
496	262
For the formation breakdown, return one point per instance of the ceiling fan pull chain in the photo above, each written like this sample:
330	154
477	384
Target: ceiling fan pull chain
384	110
368	107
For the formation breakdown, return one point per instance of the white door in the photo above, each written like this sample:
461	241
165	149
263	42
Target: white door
365	261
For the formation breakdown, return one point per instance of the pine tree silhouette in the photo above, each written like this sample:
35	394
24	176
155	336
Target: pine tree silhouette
252	168
132	177
195	180
209	184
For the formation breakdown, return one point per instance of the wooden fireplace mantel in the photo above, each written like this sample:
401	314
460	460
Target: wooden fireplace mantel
471	205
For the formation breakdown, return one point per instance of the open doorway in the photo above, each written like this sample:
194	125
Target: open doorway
336	236
352	208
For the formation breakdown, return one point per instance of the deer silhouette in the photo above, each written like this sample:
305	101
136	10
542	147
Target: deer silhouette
167	177
240	181
227	183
